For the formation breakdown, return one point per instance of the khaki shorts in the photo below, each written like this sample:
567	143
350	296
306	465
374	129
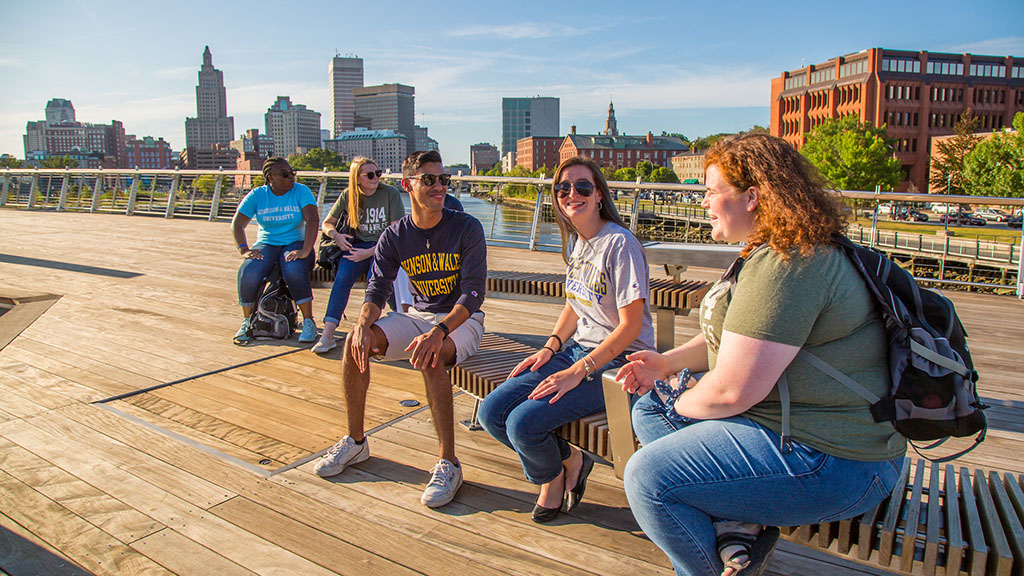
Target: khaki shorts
401	329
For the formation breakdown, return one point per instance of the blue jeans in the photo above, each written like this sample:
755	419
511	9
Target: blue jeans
691	474
527	426
252	273
347	274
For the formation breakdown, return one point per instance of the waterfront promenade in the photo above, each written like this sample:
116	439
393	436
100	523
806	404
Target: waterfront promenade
213	473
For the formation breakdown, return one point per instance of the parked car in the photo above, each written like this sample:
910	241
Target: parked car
943	207
907	213
962	218
885	208
1013	222
992	214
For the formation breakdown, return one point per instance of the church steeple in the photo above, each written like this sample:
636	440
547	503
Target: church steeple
610	126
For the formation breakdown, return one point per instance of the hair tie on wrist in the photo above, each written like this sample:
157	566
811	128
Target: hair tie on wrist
549	348
556	337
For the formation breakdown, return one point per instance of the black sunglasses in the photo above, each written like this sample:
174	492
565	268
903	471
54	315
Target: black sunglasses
373	174
583	188
287	173
430	179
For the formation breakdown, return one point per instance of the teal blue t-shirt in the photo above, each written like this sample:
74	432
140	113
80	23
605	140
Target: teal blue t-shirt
279	217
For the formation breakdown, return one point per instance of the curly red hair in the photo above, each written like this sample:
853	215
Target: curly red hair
794	210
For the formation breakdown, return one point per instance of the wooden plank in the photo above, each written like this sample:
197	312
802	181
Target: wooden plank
22	552
955	544
82	542
887	537
99	509
933	522
306	541
978	549
1009	520
1000	559
183	556
912	521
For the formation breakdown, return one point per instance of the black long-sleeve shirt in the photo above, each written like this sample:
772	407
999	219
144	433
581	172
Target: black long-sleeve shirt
447	264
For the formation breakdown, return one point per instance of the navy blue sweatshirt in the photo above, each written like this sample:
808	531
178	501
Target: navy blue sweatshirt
447	263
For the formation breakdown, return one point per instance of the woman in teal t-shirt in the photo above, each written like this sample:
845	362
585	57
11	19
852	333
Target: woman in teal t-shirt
288	220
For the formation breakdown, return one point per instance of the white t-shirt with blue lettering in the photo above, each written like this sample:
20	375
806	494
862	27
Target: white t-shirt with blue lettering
279	217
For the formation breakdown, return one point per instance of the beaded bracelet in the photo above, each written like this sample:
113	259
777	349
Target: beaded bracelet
590	366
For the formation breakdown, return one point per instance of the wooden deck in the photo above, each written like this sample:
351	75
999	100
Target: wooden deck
136	439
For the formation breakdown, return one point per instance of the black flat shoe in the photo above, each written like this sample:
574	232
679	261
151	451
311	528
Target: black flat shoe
575	496
542	515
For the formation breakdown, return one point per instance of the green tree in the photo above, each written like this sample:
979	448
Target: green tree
677	135
59	162
707	141
495	170
757	129
663	174
625	175
644	169
948	164
853	155
609	173
8	161
317	159
205	184
996	166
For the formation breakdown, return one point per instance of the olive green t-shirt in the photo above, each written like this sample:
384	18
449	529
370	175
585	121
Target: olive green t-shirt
376	212
821	304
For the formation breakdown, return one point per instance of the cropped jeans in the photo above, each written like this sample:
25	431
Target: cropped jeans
346	276
527	426
252	273
691	473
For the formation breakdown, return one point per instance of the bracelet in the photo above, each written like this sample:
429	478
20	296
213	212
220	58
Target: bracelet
549	348
243	247
590	366
672	394
556	337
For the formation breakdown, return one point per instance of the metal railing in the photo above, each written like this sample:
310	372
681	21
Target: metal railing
646	206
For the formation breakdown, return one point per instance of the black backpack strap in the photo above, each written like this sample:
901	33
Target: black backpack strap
783	384
838	376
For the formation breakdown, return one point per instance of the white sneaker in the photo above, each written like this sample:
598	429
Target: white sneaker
324	346
445	480
345	452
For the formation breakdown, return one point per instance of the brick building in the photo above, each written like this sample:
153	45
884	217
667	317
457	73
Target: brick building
92	145
148	153
916	95
534	152
482	157
621	151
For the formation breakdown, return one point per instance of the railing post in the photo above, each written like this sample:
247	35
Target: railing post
33	190
96	191
133	194
65	185
537	211
3	192
215	201
321	195
172	196
636	206
1020	266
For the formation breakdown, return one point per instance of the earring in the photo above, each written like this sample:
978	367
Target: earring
599	205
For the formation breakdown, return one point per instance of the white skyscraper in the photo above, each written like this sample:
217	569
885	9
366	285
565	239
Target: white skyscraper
343	75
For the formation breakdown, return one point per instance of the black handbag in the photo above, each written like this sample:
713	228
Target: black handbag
328	253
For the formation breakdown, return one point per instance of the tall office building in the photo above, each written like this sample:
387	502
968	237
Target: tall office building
522	117
212	125
387	148
93	145
343	76
294	128
387	107
482	157
917	95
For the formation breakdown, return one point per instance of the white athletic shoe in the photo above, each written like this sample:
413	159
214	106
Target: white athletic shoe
345	452
324	346
445	480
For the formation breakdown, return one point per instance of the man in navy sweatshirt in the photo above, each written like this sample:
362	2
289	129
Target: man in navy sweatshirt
445	255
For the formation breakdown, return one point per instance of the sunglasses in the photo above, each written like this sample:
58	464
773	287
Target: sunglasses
372	174
583	188
430	179
287	173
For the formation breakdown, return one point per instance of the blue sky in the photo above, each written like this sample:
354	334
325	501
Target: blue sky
694	68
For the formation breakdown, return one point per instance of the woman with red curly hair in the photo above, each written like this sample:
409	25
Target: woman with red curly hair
720	461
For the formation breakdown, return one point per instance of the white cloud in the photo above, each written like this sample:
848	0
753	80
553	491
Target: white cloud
1008	46
523	31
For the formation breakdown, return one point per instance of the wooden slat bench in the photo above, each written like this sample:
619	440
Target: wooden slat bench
938	520
491	365
669	297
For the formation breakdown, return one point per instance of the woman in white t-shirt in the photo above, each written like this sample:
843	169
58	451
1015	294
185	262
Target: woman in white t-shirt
286	214
606	313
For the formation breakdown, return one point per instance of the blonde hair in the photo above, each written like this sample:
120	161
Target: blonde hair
355	197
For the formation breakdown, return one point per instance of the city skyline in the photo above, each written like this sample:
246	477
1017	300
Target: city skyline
695	70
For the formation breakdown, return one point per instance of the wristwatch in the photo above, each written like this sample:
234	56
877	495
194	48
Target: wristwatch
443	328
